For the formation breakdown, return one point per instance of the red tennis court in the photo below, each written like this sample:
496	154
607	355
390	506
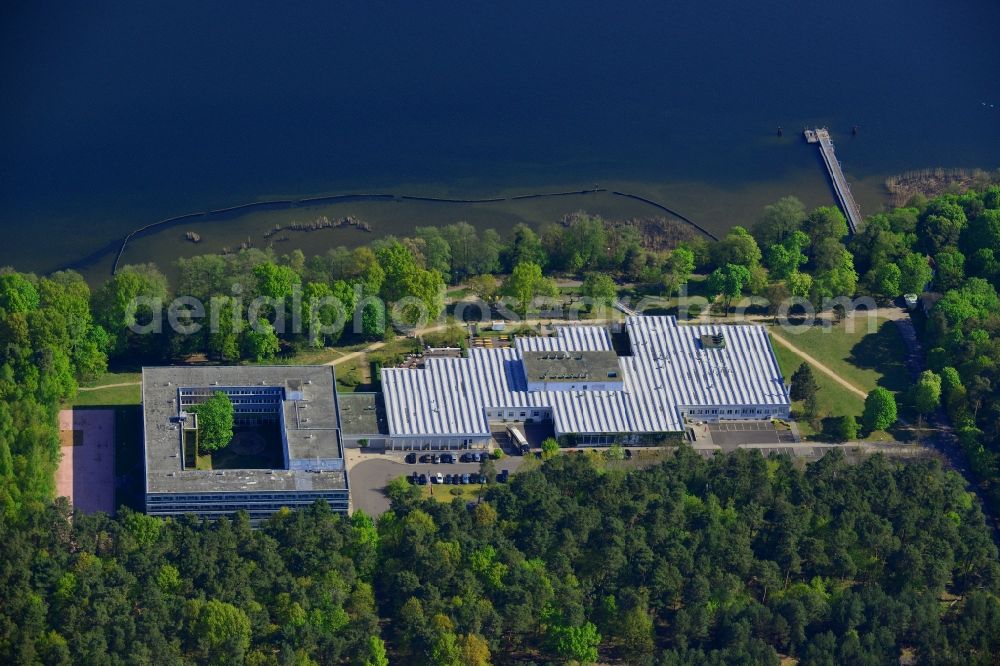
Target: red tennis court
86	473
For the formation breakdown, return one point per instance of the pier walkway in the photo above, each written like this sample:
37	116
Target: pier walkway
850	207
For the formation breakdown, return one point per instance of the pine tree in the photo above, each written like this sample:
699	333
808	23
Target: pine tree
803	383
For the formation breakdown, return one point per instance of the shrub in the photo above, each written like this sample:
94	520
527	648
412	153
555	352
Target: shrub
550	448
844	429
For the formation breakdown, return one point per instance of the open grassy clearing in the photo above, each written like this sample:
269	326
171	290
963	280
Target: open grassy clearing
864	359
319	356
110	396
354	375
112	378
834	399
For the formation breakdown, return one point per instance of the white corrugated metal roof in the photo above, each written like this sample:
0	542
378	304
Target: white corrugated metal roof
668	369
569	338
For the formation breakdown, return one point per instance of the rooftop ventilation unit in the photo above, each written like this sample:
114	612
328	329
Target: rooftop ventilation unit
713	341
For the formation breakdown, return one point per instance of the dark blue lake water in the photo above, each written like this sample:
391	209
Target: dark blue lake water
117	115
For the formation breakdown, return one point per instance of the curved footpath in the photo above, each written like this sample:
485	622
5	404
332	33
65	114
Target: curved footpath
819	366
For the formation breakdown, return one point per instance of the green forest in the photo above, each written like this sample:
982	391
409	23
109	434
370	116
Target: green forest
734	560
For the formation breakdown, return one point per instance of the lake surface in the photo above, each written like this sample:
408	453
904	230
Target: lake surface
116	116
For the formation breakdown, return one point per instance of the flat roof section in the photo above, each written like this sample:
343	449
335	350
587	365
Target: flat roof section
309	408
570	366
362	414
313	445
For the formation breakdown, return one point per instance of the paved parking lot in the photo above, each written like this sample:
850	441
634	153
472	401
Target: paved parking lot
369	476
732	434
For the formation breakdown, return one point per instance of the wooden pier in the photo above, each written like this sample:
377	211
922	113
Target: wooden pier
850	207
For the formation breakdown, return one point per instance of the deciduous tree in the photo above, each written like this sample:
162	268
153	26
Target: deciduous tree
728	282
600	288
526	283
880	409
215	422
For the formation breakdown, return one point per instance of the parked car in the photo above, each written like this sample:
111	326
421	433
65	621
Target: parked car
503	476
465	478
477	457
447	458
628	454
465	457
422	479
435	459
439	478
447	478
411	458
426	458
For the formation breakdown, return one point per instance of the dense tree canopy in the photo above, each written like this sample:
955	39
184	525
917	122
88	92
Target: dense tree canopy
803	385
779	221
572	547
738	559
48	341
140	590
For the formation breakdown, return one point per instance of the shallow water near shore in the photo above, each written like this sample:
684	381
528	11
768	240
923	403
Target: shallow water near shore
116	119
714	208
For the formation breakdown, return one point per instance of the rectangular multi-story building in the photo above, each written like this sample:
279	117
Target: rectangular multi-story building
288	451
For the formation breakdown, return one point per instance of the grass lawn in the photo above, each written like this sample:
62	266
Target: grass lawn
113	378
319	356
354	375
834	399
115	395
864	359
442	493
